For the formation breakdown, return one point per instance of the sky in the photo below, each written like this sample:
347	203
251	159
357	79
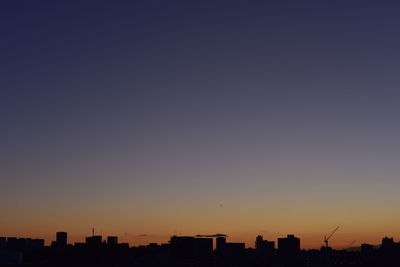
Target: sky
145	119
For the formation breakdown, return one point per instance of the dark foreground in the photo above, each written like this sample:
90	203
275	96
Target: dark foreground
189	251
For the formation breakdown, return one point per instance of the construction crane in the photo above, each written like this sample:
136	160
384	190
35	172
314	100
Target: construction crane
326	238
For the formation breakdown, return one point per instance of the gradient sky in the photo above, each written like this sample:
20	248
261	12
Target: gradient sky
148	118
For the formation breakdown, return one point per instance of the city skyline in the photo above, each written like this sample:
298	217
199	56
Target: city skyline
199	250
147	118
145	239
63	239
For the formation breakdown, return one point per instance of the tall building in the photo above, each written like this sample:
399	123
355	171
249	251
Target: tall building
221	242
289	245
259	241
61	238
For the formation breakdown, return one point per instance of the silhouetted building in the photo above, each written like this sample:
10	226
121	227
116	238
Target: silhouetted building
34	243
12	243
230	254
289	251
182	248
221	241
259	241
264	245
367	249
2	242
190	249
265	251
94	240
112	240
61	238
203	248
388	243
289	245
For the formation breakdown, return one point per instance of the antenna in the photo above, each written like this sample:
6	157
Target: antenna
92	231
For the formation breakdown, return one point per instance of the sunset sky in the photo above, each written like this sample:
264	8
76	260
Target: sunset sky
145	119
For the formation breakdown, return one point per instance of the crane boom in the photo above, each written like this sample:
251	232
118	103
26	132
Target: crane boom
326	238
